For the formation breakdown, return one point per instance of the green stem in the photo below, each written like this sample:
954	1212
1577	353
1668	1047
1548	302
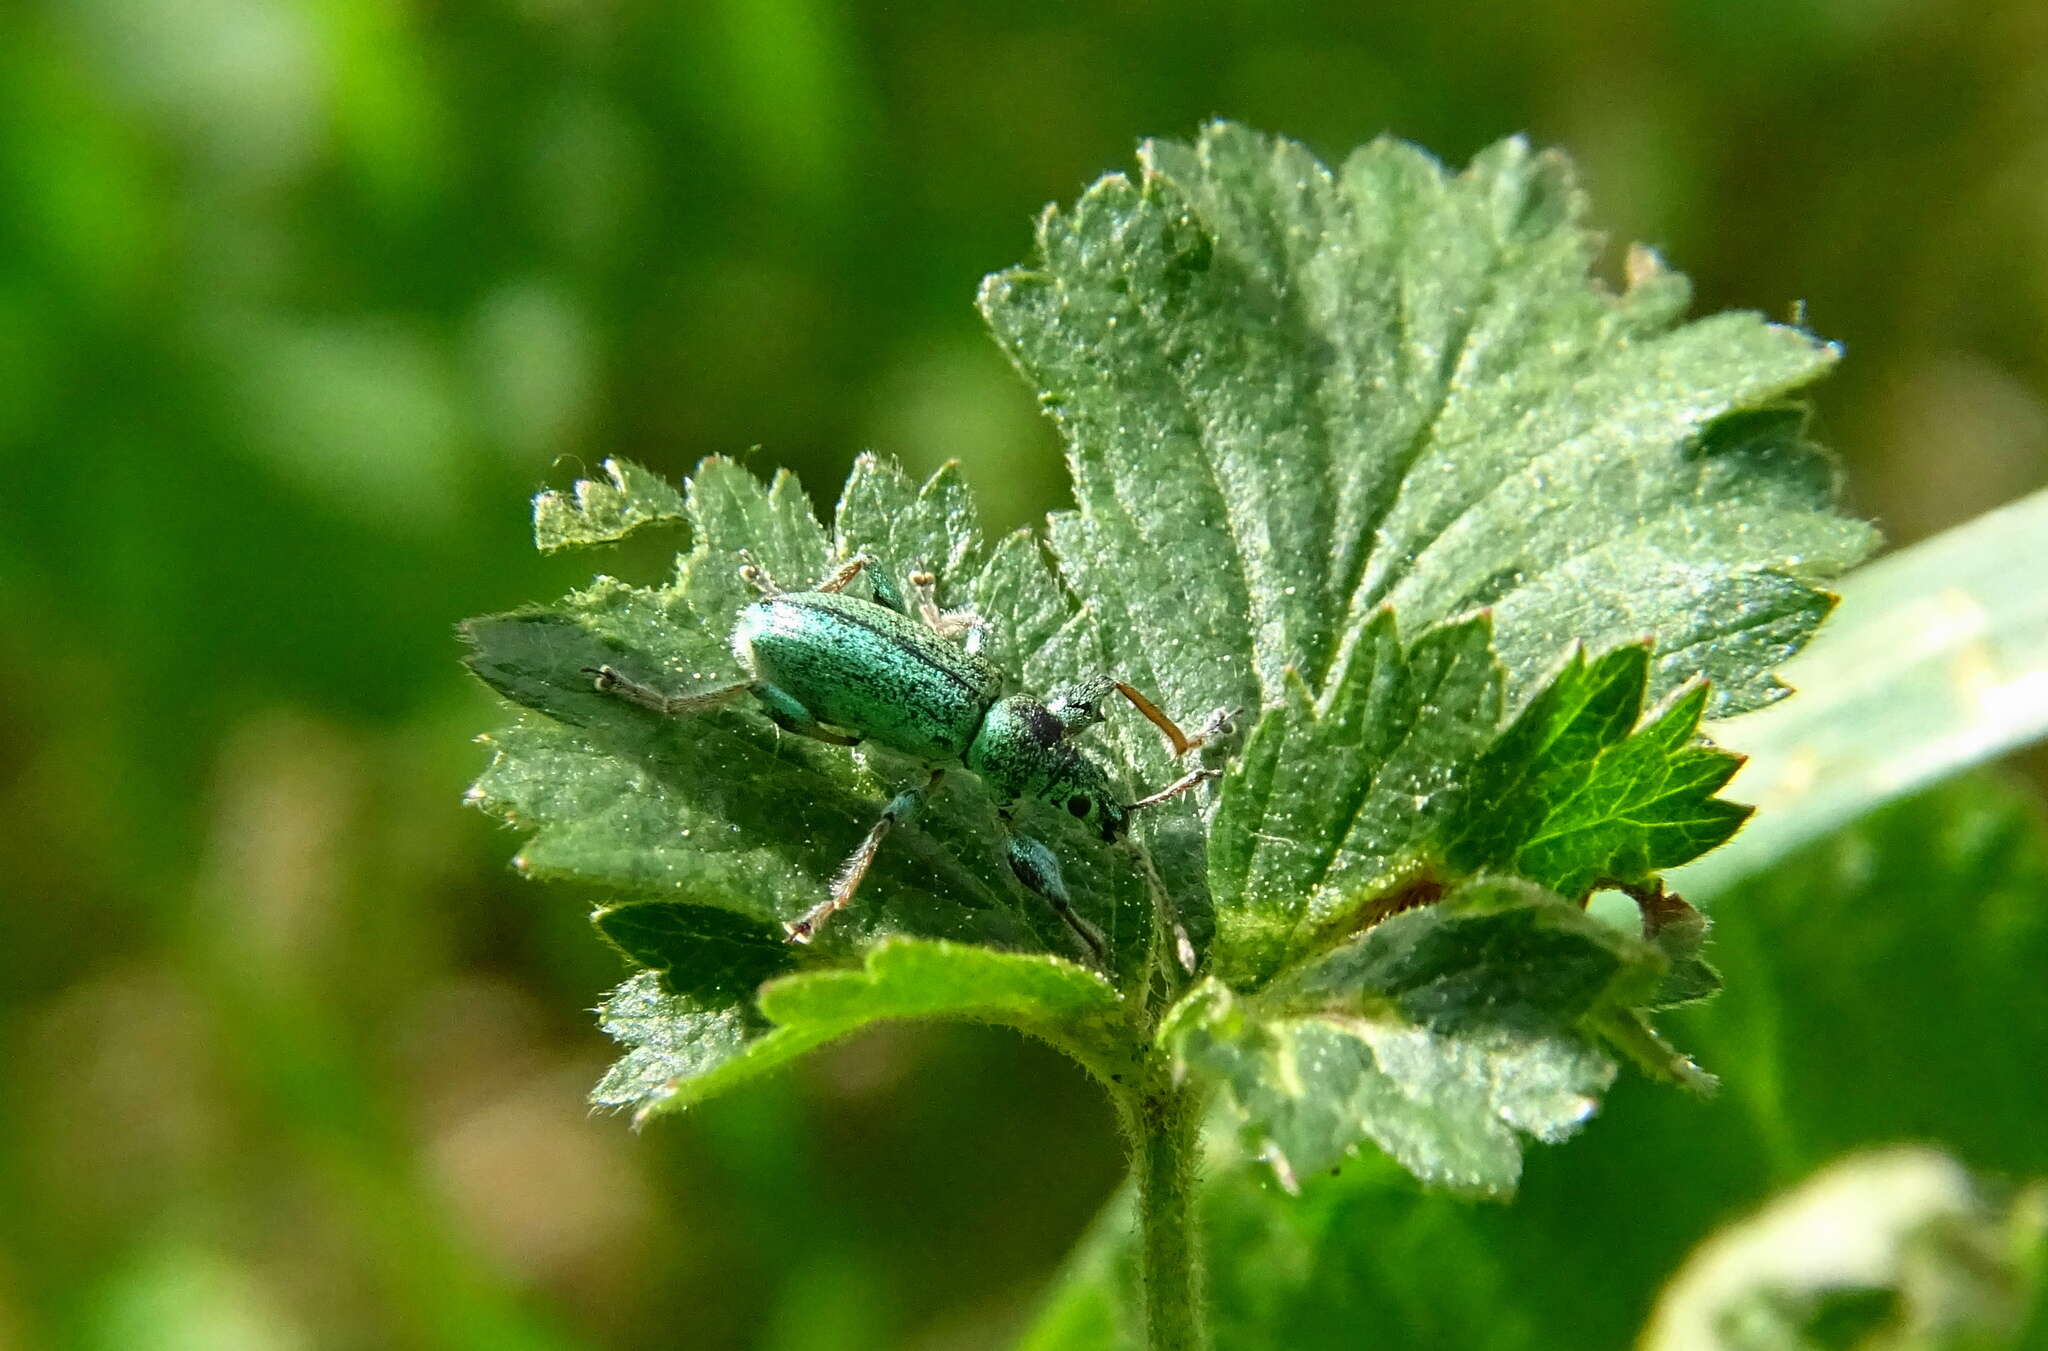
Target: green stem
1165	1124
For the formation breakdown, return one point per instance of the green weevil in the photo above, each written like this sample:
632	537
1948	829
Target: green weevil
832	666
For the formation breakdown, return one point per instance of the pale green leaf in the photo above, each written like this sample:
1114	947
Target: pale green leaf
603	512
1937	661
1293	394
682	1049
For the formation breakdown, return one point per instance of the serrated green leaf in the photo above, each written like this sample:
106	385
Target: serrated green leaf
1402	779
1575	791
713	955
1301	406
681	1051
596	512
908	527
732	516
1293	395
1334	800
1440	1035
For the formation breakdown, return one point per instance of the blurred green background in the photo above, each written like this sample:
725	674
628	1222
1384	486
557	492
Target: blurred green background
301	299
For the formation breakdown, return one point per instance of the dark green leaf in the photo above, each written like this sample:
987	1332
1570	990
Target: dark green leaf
713	955
1334	801
1574	791
1402	779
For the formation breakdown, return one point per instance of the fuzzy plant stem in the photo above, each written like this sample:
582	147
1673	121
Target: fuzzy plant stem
1164	1123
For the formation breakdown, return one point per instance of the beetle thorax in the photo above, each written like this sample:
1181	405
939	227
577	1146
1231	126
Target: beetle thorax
1022	750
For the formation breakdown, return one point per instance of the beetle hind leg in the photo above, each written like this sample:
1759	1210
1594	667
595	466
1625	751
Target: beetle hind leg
609	681
792	716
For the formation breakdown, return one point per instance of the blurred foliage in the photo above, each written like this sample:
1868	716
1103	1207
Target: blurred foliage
297	295
1888	1250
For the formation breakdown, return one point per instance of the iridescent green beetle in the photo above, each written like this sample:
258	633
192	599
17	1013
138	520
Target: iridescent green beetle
845	670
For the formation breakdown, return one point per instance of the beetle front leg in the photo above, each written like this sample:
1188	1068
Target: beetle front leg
1038	869
902	807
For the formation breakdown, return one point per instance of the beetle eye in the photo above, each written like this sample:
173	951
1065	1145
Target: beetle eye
1078	806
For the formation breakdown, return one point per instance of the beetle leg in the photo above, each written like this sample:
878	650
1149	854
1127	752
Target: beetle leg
1038	869
1176	788
964	627
926	588
792	716
902	807
610	681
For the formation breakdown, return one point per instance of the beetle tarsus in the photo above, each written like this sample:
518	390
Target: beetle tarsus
756	576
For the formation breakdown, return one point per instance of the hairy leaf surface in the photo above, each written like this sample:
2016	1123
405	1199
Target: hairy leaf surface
1293	394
